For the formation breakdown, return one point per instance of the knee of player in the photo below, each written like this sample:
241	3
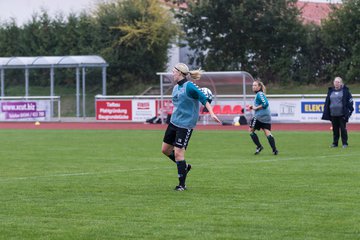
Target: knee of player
166	151
268	134
179	155
163	151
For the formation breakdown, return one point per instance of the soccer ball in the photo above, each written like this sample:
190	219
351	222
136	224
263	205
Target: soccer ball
236	121
207	93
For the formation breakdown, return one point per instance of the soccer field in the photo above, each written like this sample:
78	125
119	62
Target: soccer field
116	184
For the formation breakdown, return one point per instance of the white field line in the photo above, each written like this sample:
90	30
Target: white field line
277	158
6	179
253	161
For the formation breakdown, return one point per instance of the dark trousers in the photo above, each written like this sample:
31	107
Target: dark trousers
339	125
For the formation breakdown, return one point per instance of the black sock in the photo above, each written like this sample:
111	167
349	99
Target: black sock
181	166
255	139
271	140
172	156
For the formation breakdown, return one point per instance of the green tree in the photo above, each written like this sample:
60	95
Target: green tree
308	67
341	35
11	45
38	35
262	37
133	36
137	35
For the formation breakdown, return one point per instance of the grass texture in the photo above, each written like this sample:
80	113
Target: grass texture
106	184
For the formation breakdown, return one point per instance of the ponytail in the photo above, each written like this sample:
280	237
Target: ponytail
262	86
195	74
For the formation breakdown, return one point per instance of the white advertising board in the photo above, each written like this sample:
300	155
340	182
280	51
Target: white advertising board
25	110
304	110
143	109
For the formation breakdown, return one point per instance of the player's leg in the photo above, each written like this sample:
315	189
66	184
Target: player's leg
271	140
181	167
253	135
168	141
181	142
168	150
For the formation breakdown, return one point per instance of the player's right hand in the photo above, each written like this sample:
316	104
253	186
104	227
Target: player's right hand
216	118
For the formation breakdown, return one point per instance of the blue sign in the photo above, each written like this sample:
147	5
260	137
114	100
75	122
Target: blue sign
312	107
357	107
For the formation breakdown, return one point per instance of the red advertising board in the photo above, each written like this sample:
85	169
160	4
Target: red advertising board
166	106
114	110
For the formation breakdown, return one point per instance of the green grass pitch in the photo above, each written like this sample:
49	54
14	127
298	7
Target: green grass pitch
106	184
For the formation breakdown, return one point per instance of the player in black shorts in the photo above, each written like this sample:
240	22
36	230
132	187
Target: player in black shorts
262	118
186	97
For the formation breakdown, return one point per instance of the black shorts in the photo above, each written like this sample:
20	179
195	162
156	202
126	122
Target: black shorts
176	136
257	125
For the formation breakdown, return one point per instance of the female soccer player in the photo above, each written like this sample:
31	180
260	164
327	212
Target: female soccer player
262	118
185	97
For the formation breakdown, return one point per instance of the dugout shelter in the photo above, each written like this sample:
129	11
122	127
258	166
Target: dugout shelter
79	63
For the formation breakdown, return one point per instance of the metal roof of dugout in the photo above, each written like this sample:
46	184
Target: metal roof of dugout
52	62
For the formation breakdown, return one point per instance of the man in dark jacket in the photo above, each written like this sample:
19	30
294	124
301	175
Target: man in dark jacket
338	109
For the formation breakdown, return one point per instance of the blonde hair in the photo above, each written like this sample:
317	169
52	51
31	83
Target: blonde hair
261	84
340	80
184	69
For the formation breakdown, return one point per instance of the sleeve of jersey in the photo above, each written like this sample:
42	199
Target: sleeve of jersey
194	92
262	98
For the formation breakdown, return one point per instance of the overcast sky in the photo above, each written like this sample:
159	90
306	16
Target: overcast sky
22	10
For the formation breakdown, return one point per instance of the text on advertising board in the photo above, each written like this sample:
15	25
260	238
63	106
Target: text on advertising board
312	107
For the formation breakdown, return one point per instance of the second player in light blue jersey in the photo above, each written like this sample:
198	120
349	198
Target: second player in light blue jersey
262	118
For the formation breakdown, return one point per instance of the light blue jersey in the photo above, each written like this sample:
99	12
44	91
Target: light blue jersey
263	115
186	97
